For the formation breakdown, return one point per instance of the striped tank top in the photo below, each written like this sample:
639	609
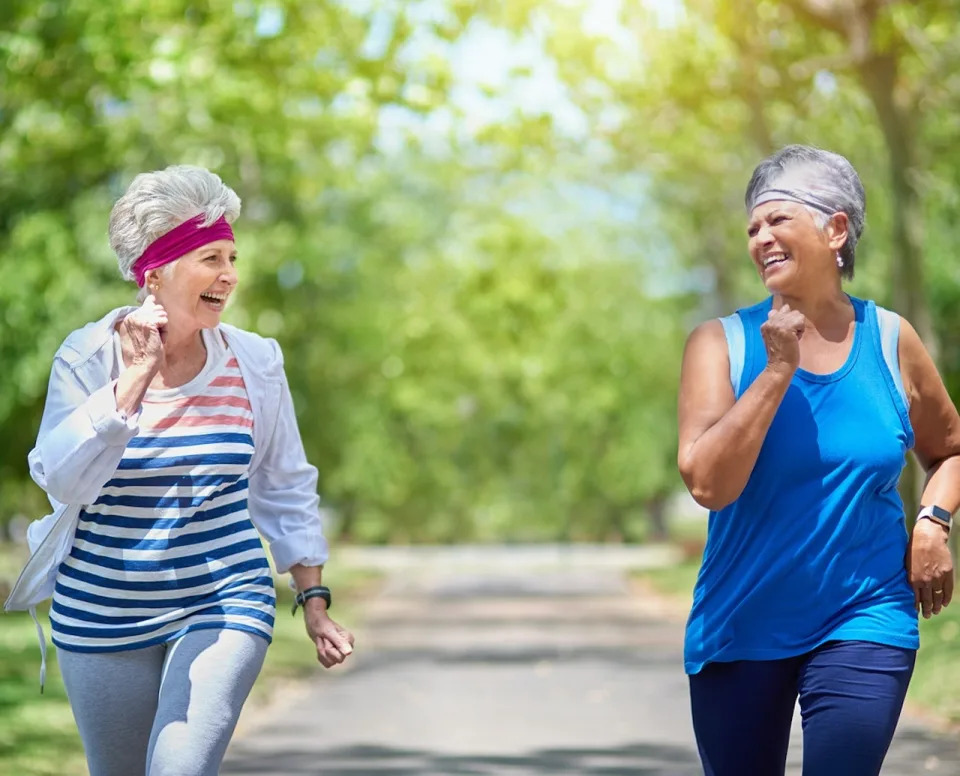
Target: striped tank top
168	547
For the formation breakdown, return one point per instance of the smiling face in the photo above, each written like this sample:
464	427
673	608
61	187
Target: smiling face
791	252
195	288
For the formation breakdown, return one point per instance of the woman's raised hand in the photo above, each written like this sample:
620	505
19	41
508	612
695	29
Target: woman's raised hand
781	335
144	328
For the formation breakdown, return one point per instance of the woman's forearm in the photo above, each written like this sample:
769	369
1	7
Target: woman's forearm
306	576
717	465
81	442
132	386
942	487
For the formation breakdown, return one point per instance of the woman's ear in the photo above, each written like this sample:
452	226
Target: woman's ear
152	281
837	230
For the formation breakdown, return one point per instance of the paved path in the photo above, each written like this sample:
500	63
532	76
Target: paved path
524	675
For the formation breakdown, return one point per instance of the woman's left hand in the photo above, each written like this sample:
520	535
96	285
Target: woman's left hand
333	642
930	567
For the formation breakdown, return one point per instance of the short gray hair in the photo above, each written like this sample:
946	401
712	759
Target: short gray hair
158	201
823	181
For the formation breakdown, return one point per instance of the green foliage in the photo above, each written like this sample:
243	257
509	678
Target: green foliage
466	364
482	315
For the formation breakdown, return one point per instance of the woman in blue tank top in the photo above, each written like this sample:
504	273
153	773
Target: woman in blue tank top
795	415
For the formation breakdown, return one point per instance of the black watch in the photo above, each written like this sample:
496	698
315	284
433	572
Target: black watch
318	591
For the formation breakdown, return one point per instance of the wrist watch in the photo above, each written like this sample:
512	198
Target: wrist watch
937	514
317	591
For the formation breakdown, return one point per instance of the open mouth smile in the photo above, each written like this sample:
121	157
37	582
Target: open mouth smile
217	301
774	260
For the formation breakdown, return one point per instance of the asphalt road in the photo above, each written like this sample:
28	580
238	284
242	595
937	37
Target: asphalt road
510	672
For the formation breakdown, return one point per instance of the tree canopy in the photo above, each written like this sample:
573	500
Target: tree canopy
480	231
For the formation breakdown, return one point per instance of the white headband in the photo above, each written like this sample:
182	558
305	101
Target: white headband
794	195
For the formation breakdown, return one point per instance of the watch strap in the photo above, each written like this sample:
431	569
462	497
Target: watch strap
936	514
317	591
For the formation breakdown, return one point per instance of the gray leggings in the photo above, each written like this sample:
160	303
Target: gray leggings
165	710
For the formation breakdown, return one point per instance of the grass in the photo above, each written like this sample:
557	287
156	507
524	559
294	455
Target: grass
37	733
936	679
38	736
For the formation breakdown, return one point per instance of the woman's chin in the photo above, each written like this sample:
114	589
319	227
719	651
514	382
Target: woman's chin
776	284
208	317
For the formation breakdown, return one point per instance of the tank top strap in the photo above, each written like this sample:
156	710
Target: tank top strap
884	326
889	326
736	346
742	332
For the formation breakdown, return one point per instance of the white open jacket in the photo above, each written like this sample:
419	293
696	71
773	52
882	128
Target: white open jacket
82	438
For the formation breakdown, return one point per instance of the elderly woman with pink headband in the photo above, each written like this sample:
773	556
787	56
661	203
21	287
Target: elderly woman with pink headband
168	447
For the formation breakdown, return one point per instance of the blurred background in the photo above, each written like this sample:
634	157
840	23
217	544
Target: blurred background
480	230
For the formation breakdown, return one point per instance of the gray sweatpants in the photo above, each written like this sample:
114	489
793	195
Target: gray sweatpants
165	710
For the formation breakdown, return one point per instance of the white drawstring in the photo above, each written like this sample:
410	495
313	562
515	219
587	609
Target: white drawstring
43	647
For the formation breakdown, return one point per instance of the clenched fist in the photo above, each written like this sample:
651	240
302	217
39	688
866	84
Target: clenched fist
781	335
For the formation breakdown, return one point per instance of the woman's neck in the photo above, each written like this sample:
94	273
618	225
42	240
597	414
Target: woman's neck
181	344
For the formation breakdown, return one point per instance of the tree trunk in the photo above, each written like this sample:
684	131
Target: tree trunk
878	75
657	512
348	519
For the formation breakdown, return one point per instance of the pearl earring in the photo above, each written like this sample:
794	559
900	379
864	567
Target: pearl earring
839	260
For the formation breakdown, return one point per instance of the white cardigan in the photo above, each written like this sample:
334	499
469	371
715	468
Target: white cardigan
82	438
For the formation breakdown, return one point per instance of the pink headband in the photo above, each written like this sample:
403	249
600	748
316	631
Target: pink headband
178	242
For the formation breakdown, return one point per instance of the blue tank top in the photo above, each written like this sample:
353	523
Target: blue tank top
813	549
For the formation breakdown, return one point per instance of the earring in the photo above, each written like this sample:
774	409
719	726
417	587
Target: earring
839	260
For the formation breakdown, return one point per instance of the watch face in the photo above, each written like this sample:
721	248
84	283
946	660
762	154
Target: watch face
938	514
941	513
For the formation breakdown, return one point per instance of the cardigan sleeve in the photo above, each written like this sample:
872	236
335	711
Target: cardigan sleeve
282	499
81	440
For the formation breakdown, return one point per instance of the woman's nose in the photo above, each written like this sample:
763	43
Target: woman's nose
764	236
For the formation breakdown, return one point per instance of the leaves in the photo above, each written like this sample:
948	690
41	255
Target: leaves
481	286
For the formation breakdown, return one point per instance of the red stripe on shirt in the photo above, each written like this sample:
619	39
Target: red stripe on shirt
202	420
227	382
208	401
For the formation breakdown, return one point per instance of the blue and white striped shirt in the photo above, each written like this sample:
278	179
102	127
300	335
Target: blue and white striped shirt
168	546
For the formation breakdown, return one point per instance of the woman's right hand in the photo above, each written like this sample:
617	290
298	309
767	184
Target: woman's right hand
144	330
781	335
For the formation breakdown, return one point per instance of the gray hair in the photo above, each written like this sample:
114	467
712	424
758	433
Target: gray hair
825	182
158	201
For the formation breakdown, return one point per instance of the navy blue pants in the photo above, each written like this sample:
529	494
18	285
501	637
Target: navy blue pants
851	694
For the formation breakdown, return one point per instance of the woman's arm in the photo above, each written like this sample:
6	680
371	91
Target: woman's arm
283	500
720	436
283	504
333	642
85	430
936	429
82	438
